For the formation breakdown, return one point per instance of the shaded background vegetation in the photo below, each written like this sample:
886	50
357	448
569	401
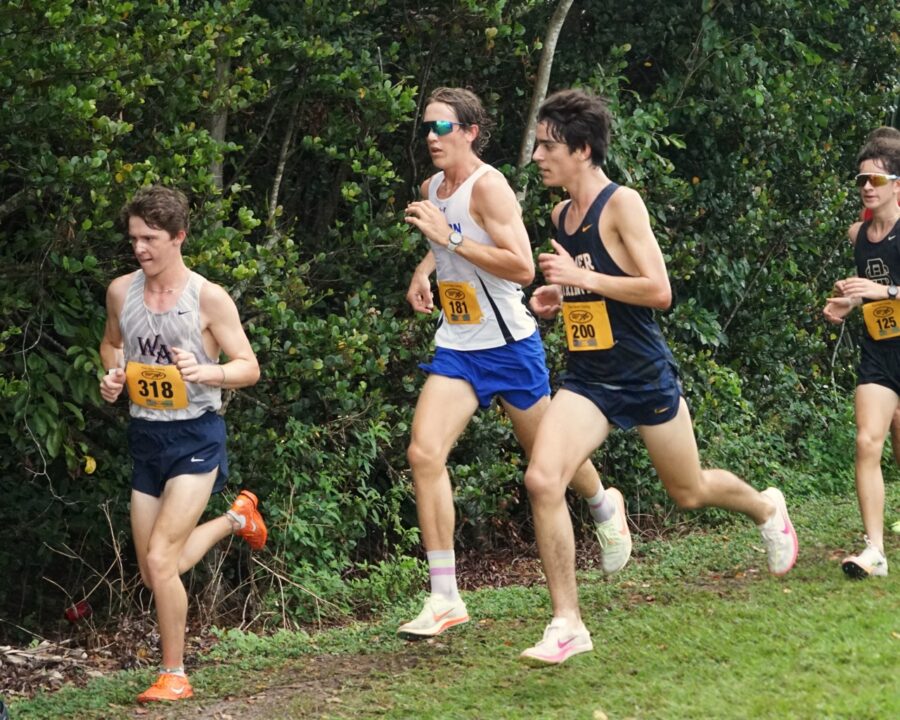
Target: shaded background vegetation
294	127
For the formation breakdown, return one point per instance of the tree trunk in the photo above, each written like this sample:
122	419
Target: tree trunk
542	80
218	123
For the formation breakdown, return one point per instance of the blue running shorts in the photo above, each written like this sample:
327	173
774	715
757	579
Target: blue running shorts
517	372
167	448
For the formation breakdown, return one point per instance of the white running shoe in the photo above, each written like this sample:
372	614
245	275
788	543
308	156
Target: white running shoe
614	536
779	535
560	642
438	614
869	562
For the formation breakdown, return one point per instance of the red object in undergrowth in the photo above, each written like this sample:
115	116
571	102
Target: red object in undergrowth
79	611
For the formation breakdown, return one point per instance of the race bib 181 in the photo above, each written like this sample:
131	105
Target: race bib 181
459	303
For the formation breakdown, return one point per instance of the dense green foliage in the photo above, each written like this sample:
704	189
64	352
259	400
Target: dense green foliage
739	124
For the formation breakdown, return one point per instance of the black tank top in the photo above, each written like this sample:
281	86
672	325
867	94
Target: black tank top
880	263
639	349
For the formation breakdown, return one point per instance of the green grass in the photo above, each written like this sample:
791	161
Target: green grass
693	628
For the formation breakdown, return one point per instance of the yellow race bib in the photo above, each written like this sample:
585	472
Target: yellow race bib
156	387
882	319
459	303
587	326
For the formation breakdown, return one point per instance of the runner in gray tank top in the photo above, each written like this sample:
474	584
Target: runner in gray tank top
165	329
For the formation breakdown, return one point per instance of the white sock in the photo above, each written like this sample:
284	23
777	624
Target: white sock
238	522
601	506
442	572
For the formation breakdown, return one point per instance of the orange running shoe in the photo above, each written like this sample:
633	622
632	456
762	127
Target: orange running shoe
167	688
254	530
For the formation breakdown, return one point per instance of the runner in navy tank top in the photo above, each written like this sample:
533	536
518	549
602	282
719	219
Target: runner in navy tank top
606	277
875	290
638	352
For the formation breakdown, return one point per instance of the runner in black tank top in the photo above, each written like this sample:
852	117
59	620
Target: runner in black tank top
875	290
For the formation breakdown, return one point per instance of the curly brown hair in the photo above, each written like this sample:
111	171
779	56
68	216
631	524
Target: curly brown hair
160	207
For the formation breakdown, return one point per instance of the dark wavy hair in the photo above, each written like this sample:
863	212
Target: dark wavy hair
160	207
882	144
580	120
469	111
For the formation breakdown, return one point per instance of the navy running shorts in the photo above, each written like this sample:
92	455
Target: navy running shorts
164	449
517	372
626	406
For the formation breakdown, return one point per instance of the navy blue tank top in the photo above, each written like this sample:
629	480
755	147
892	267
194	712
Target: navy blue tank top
880	263
638	350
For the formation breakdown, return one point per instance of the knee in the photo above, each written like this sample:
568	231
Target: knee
542	486
160	567
867	446
424	457
688	497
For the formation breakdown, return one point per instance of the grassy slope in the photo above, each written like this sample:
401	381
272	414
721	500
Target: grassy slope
694	628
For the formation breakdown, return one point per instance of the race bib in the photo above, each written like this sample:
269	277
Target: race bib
459	303
881	319
156	387
587	326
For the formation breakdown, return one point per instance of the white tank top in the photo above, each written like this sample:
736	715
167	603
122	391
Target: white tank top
148	338
479	310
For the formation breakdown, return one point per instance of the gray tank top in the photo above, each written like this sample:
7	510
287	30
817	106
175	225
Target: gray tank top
148	339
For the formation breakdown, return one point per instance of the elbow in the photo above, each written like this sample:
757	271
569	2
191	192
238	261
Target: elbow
255	374
525	275
663	299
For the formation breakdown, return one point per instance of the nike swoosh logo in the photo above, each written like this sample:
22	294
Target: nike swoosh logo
183	312
437	617
193	459
660	411
177	691
586	227
564	645
787	528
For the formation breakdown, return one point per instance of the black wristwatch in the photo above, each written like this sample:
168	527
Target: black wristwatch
892	292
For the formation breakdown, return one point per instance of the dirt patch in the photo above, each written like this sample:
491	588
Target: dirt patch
314	684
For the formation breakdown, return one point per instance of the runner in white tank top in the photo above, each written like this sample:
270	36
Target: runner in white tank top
479	309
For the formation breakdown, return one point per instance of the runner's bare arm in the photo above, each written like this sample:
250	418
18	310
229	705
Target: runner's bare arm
419	293
546	301
495	208
112	345
219	318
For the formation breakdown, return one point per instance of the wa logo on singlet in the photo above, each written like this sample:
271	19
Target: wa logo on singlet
156	349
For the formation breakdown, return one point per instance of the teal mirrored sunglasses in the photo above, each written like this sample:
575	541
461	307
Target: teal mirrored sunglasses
439	127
